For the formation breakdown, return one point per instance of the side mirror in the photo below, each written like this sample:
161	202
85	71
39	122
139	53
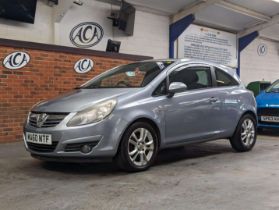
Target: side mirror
176	87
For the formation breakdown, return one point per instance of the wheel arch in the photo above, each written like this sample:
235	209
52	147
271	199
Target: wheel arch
251	113
244	113
142	119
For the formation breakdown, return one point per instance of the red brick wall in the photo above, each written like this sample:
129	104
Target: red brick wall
48	74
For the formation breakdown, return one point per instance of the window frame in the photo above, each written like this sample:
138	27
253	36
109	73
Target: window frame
184	66
189	66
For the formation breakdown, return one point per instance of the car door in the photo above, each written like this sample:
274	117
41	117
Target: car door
192	114
227	88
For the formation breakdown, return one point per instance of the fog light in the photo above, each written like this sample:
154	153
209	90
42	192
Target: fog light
86	148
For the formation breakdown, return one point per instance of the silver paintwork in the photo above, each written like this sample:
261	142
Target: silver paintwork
176	87
187	117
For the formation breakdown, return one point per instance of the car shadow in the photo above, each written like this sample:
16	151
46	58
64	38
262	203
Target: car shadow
194	151
269	132
166	156
82	168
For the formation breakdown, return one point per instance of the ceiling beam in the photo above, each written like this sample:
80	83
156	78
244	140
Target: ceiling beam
259	27
192	9
264	37
140	7
242	10
61	9
113	2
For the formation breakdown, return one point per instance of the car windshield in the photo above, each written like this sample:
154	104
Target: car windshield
273	88
132	75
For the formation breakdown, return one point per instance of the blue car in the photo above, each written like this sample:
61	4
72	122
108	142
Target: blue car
268	107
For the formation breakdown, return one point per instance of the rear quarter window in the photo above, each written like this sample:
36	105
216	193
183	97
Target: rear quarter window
223	79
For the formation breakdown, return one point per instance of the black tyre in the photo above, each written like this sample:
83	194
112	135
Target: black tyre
245	135
138	148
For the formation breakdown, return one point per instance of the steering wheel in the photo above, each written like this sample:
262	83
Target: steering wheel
122	83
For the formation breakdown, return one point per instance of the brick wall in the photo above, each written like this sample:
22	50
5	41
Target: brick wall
48	74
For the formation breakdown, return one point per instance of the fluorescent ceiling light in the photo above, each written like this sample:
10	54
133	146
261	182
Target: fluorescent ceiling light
276	1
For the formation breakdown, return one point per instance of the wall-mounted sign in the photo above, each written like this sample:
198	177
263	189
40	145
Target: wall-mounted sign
83	65
16	60
208	44
262	49
86	35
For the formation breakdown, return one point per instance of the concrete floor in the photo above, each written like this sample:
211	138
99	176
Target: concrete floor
205	176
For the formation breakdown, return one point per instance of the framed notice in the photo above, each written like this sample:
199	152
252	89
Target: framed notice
207	44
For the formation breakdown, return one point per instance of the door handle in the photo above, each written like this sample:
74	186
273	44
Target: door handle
213	100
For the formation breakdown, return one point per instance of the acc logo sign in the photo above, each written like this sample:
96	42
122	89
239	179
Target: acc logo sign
86	35
84	65
262	49
16	60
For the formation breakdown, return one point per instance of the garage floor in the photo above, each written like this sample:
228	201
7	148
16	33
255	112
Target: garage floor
204	176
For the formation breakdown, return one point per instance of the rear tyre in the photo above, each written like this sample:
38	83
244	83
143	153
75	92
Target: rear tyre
245	134
138	148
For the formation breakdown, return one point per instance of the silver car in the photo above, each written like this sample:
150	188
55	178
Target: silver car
130	112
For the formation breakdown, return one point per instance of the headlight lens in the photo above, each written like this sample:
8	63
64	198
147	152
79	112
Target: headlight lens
93	114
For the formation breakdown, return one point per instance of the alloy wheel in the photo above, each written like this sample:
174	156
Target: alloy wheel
247	132
141	146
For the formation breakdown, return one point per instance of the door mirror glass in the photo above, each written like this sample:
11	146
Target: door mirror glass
177	87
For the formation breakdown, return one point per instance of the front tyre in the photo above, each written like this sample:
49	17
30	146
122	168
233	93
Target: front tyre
245	135
138	147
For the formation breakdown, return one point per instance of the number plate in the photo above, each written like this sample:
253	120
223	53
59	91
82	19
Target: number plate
38	138
269	119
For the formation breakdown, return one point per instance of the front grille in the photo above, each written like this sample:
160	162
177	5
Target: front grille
74	147
42	147
268	112
49	119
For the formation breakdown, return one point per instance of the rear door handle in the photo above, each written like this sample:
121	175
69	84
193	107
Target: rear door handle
213	100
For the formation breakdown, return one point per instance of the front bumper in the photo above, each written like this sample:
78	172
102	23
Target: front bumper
104	136
262	125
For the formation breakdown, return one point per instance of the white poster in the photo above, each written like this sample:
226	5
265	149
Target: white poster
208	44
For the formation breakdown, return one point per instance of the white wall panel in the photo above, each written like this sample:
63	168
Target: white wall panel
254	67
41	31
151	35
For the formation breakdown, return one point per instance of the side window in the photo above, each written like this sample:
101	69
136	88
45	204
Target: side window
223	79
196	77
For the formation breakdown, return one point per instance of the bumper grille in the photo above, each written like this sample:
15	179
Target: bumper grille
268	112
74	147
42	147
45	120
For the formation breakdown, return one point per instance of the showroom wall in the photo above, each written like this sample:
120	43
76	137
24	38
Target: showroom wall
41	31
255	66
150	33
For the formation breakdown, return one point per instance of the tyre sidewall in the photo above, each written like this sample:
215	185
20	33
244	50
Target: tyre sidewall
125	158
237	135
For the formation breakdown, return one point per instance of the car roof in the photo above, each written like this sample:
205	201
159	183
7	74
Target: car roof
229	70
188	60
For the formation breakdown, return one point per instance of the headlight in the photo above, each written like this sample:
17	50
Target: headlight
92	114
